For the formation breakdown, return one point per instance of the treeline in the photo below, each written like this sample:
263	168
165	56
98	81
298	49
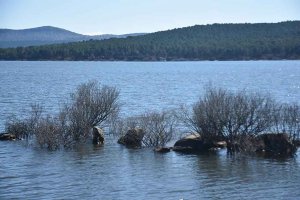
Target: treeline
200	42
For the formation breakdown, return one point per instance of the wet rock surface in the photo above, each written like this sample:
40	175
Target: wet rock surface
132	139
7	137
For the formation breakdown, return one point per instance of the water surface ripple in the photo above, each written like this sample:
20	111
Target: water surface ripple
114	172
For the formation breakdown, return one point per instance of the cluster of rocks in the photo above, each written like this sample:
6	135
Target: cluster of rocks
266	144
191	143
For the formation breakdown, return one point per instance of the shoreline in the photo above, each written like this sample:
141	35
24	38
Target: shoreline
156	61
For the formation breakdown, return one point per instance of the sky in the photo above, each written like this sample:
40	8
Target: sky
140	16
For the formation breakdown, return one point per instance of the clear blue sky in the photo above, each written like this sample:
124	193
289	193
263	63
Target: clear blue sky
129	16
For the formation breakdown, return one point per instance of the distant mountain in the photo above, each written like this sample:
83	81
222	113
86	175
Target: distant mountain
260	41
47	35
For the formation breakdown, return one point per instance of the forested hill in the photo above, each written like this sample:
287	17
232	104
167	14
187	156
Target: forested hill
47	35
200	42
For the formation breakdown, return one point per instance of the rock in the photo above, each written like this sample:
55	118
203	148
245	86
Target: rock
277	144
163	149
264	144
193	144
245	143
221	144
133	138
98	136
7	136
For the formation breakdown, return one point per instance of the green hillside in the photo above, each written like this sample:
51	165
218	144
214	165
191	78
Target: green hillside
200	42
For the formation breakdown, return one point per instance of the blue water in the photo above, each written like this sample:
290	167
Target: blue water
114	172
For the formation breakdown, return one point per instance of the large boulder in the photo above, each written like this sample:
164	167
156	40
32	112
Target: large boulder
193	144
7	136
163	149
133	138
277	144
264	144
245	143
98	136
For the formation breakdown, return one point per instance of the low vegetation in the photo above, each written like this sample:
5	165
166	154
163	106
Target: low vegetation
240	118
158	127
90	105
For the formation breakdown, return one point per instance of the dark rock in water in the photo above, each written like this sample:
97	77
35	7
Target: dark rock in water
277	144
163	149
98	136
7	136
245	143
193	144
133	138
265	144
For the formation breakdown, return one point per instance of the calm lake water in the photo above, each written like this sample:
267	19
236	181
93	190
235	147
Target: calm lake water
114	172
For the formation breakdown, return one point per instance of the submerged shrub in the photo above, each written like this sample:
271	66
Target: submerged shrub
286	119
248	114
221	114
48	133
210	113
158	127
90	105
24	128
17	127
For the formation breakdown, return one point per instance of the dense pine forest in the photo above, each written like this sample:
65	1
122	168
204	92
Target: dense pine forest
200	42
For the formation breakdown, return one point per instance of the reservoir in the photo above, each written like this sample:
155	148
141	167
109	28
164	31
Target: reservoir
115	172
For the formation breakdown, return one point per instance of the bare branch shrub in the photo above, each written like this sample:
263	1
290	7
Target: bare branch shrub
248	114
90	105
48	133
17	127
118	127
210	113
157	126
286	119
24	128
223	114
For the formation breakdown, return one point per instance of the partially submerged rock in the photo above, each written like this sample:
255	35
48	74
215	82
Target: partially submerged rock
266	144
245	143
7	137
98	136
133	138
220	144
194	144
163	149
277	144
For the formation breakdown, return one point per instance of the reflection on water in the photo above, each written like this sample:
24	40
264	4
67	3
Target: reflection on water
114	172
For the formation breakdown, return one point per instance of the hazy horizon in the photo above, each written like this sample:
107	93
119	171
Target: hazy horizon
94	17
135	32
